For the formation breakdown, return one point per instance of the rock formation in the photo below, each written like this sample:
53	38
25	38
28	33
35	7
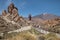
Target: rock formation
13	11
10	8
11	20
30	17
52	22
13	15
4	13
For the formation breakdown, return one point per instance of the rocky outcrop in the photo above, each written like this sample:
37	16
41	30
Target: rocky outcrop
4	13
12	13
52	25
10	8
11	20
52	22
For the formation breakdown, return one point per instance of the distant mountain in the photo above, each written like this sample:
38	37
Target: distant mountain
40	19
48	22
46	16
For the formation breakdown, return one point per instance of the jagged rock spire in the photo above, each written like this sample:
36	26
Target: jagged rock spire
13	13
10	8
29	17
4	13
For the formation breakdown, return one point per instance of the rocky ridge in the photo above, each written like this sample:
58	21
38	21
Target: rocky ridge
11	20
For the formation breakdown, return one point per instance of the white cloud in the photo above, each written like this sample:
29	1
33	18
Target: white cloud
10	0
22	5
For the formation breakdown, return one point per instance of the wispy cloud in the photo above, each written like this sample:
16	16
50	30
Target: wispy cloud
22	5
8	2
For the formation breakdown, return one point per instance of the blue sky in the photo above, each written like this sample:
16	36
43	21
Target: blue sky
34	7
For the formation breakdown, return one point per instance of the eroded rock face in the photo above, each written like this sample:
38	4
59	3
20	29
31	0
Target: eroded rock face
5	27
10	8
13	15
52	22
16	19
13	11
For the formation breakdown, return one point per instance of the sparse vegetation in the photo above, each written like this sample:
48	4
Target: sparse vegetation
21	36
50	36
55	29
33	31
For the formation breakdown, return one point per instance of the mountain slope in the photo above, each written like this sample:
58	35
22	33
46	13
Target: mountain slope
46	16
